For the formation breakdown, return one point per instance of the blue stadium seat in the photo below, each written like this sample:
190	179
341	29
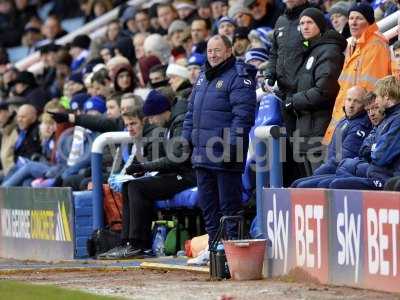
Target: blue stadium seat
268	113
184	199
17	53
73	24
83	220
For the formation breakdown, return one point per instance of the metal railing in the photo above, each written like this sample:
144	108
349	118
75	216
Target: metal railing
94	29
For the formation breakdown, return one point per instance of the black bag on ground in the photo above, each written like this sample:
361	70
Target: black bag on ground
102	240
218	265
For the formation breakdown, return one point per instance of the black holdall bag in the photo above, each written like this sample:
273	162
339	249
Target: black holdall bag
102	240
218	265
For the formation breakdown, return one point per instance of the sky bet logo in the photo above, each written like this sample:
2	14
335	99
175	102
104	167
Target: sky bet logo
348	227
307	219
382	236
278	233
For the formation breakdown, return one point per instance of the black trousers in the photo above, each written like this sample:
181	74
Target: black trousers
138	207
220	194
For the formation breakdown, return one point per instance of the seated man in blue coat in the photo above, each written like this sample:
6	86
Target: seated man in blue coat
220	114
385	151
347	139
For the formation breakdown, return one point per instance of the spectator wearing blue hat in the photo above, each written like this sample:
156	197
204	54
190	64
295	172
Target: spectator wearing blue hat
226	27
256	57
195	61
77	101
261	37
95	105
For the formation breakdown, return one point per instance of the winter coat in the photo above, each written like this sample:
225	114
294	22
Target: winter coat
275	8
317	86
222	107
348	139
184	90
385	153
181	164
8	139
363	66
30	144
287	51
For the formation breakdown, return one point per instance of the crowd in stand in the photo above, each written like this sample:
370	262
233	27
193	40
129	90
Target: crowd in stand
325	61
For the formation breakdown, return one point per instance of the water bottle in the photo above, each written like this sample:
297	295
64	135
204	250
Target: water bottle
159	240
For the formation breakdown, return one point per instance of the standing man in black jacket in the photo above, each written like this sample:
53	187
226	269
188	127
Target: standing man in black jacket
316	86
174	174
285	59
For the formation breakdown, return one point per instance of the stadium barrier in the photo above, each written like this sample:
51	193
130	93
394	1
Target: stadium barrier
341	237
36	224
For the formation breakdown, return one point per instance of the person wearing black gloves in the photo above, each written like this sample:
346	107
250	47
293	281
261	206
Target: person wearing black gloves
164	177
316	87
100	123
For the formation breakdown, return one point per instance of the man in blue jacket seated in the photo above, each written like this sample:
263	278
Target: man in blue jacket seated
220	114
384	161
347	139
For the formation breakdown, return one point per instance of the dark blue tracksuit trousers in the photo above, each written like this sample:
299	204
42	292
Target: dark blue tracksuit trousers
357	183
219	195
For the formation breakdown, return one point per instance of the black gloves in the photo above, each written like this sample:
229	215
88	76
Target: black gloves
59	117
135	168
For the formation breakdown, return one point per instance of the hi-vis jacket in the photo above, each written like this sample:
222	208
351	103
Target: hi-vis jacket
363	66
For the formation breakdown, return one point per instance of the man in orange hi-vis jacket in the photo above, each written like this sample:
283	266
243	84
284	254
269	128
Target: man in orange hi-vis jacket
367	59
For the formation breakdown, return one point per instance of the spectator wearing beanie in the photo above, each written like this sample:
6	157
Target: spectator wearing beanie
95	105
256	56
339	13
128	21
75	84
175	33
26	87
173	176
145	65
124	47
79	51
240	42
179	80
77	101
317	85
261	37
186	10
226	27
204	9
367	49
195	61
241	15
219	8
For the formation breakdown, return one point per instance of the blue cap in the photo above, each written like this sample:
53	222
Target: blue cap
196	59
78	101
95	103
